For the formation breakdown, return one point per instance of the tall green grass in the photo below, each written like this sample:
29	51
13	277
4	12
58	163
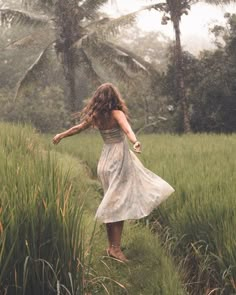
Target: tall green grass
85	146
201	214
41	228
48	240
150	270
198	221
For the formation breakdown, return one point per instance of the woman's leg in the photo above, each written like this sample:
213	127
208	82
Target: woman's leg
108	227
114	232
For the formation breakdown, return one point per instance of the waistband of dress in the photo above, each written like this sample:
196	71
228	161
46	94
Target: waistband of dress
112	136
113	140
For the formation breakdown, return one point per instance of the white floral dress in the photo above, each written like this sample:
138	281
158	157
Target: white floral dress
131	191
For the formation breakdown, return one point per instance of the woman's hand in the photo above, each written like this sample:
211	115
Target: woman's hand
56	139
137	147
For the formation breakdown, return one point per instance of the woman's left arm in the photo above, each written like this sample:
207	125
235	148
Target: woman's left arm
73	130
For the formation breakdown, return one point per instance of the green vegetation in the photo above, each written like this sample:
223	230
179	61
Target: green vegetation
46	243
48	195
51	88
201	216
47	240
41	231
197	222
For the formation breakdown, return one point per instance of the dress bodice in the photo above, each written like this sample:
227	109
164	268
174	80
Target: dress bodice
113	135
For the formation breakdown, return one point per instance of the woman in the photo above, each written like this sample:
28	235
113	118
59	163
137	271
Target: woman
130	190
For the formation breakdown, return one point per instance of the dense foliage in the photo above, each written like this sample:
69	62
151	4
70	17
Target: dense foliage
210	83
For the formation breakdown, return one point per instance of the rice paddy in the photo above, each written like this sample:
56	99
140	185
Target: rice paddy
48	197
198	221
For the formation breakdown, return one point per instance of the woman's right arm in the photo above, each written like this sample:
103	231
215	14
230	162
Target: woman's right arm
73	130
121	119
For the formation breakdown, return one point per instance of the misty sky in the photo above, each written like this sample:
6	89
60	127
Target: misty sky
194	27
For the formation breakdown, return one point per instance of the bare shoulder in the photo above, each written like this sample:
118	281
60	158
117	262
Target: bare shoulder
117	112
118	115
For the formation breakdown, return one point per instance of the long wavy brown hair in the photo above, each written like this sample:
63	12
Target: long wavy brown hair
105	99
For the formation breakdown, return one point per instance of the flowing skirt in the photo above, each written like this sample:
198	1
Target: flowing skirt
131	191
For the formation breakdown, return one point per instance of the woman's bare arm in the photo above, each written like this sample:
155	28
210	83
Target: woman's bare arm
73	130
121	119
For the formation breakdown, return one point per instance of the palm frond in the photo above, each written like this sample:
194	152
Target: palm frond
218	2
22	42
156	6
138	59
34	71
48	3
113	26
97	23
89	8
128	61
106	63
82	60
35	39
111	61
116	70
20	17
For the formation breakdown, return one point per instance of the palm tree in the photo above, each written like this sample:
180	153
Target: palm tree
176	9
173	11
81	38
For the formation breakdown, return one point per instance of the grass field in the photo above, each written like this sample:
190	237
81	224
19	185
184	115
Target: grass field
49	195
48	240
198	222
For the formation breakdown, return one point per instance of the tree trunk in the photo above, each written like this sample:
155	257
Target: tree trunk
67	31
69	72
146	110
180	77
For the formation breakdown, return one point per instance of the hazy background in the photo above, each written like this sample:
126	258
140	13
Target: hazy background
34	83
194	27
